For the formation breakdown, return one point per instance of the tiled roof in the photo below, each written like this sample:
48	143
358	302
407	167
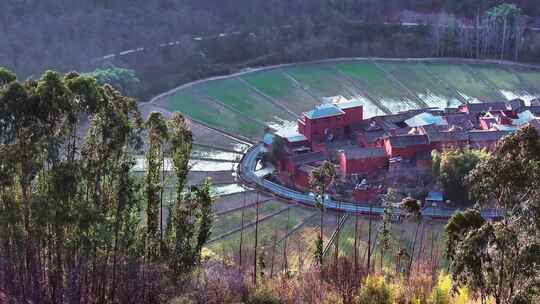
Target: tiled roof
408	140
475	136
291	135
447	136
486	106
360	153
372	136
306	158
324	110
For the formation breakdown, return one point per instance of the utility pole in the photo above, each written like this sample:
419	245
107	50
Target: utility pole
356	241
369	239
255	246
285	262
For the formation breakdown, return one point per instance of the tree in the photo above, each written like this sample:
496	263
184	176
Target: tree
124	80
413	212
500	259
71	228
320	179
191	219
155	163
507	14
451	167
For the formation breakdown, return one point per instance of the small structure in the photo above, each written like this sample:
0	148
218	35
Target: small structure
434	199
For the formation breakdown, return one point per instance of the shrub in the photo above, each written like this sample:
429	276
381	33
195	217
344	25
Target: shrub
263	296
375	291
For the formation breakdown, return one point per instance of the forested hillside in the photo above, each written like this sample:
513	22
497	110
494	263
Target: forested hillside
66	35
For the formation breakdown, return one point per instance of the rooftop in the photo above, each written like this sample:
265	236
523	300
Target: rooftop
291	135
361	153
408	140
324	110
486	106
306	158
448	136
424	119
486	135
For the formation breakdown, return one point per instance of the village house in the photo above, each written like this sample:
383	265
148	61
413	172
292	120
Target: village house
393	144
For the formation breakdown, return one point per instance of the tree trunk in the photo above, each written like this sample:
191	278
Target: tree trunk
241	236
256	239
504	36
369	240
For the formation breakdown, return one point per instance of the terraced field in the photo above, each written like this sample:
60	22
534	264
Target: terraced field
244	104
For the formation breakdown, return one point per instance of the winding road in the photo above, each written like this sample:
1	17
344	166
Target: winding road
247	173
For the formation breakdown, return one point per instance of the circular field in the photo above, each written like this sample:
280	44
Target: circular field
245	103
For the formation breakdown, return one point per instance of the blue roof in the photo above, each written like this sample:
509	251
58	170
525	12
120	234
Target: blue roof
268	139
424	119
324	110
434	196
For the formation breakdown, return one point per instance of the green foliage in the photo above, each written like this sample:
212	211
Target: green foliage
375	291
412	208
6	76
124	80
278	146
70	206
496	259
319	248
451	167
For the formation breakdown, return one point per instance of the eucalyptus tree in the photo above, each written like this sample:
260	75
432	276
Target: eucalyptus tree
190	224
413	212
320	179
154	168
499	259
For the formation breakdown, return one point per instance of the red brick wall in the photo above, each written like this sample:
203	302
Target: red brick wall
367	165
354	115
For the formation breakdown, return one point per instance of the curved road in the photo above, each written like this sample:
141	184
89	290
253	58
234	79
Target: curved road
247	173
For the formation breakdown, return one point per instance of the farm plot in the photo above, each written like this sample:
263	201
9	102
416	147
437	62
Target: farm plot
233	220
502	79
371	77
205	138
239	97
275	84
203	109
270	231
324	80
415	78
530	80
470	84
207	153
235	201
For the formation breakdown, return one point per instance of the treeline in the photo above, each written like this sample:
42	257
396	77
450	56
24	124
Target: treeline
67	35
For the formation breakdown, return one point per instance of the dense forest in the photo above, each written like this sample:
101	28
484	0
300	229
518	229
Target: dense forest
68	35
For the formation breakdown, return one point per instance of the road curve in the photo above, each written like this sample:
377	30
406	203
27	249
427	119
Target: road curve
247	173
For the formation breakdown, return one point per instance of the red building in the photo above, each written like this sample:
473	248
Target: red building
362	160
330	121
406	146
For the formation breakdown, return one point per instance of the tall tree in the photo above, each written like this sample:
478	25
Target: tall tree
155	161
320	179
